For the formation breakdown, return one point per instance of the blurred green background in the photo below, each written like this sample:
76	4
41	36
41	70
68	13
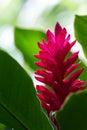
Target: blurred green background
36	15
39	15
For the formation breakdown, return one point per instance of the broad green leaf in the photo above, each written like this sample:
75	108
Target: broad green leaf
19	107
26	42
80	26
74	114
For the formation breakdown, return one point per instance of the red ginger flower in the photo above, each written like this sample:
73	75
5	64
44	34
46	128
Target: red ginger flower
57	68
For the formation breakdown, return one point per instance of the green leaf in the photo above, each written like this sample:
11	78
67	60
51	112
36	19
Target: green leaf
7	128
2	126
80	27
74	114
26	42
19	107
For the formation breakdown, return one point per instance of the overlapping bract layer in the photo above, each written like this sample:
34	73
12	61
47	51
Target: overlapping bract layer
58	70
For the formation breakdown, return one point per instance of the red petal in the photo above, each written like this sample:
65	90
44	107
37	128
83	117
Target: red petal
66	40
46	107
74	76
50	36
40	64
42	46
60	39
71	60
46	91
58	29
67	47
71	68
37	56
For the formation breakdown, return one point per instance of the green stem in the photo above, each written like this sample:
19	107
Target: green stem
51	120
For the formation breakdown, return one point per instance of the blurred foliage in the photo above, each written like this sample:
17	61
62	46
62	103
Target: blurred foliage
62	12
9	11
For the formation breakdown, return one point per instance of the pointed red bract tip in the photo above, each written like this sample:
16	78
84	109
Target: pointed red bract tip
58	29
50	36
